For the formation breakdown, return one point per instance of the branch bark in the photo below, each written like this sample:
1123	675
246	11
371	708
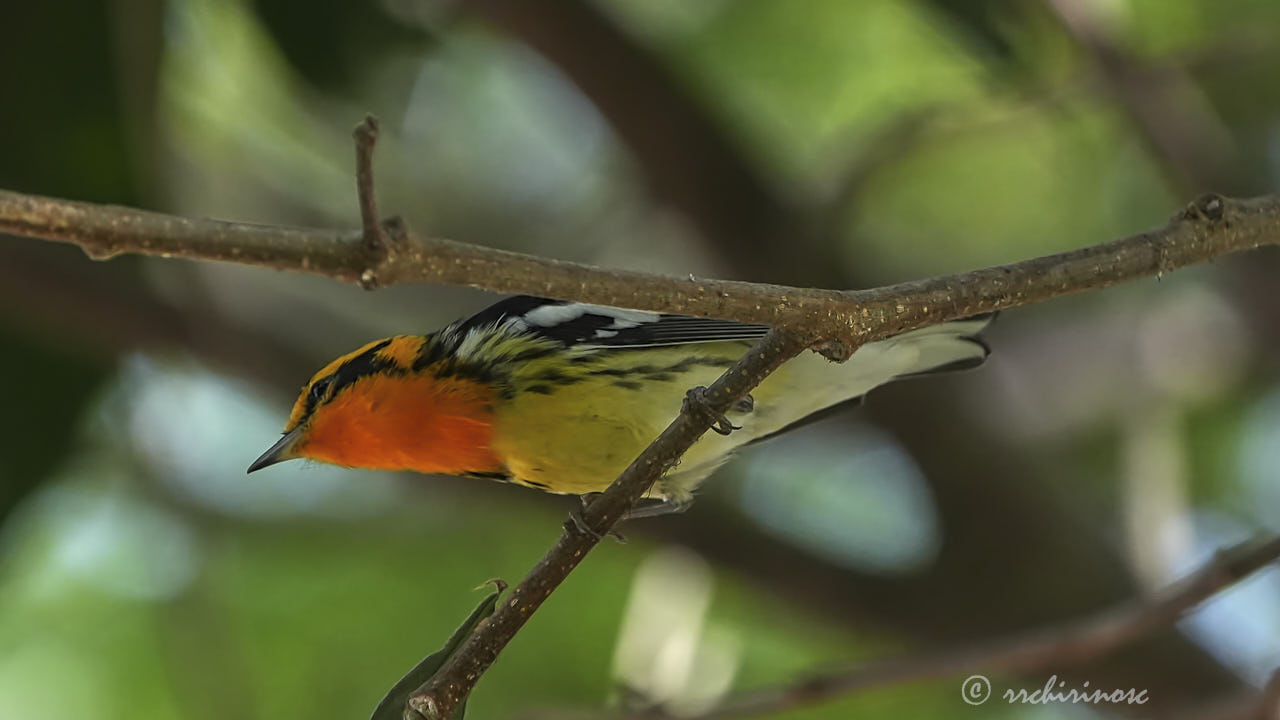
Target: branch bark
1071	644
1208	228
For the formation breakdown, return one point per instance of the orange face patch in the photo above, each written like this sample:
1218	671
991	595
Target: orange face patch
405	422
300	406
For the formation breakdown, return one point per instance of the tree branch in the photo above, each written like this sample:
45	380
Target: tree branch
1071	644
374	235
1208	228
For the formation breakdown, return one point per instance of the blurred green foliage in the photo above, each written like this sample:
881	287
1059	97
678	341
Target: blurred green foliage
1120	434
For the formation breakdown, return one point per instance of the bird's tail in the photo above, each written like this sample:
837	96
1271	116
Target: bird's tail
955	345
811	387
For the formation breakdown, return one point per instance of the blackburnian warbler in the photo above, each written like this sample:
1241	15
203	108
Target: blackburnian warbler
563	396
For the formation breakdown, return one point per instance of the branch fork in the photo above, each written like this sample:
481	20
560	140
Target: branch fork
381	238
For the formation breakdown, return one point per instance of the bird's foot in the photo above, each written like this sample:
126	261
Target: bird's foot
695	402
578	523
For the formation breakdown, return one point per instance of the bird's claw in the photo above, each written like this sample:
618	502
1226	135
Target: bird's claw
695	401
578	523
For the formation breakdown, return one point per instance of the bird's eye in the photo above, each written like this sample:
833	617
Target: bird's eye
319	388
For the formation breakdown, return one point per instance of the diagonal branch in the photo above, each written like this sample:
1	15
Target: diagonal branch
1071	644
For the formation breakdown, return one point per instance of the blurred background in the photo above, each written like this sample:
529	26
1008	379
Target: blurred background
1112	442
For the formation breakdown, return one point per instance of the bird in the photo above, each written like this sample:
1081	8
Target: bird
561	396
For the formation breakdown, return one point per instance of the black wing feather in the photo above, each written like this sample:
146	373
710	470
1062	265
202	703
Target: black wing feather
579	324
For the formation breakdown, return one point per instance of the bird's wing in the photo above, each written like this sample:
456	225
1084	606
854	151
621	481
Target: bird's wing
579	324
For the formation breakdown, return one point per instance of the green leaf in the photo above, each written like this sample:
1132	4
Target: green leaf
394	702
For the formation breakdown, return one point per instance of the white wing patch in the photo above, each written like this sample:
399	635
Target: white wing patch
598	326
552	315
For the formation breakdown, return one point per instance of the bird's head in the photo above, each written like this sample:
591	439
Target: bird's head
388	406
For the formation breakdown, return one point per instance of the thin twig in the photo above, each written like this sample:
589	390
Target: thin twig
1072	644
438	698
366	137
1208	228
374	235
380	238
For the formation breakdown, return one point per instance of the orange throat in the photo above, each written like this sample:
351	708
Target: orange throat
406	422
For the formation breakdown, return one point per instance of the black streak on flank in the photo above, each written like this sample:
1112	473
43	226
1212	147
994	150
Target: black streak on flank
558	378
627	384
652	372
540	389
623	372
614	372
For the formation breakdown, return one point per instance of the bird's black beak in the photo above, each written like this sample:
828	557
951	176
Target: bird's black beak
281	451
